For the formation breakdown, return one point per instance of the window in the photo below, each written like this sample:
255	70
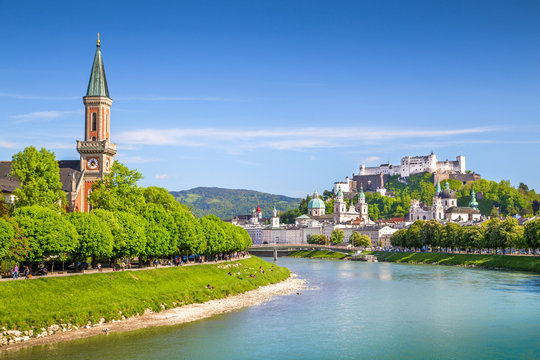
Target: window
94	122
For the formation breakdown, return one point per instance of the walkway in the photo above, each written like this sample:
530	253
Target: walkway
109	269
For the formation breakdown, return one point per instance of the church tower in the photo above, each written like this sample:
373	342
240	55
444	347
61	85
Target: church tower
97	152
362	206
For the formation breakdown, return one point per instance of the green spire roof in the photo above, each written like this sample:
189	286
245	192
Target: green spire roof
98	83
438	188
361	195
473	203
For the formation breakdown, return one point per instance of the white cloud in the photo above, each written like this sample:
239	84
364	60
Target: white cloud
7	144
238	140
47	115
161	176
370	159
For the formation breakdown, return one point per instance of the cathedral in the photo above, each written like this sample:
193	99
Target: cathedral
96	151
444	207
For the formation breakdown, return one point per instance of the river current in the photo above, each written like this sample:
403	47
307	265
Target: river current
350	310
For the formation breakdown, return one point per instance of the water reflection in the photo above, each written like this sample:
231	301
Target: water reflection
350	310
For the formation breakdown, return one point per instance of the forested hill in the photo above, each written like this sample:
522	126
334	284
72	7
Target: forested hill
227	203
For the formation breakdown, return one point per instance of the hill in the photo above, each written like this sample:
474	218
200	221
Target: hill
226	203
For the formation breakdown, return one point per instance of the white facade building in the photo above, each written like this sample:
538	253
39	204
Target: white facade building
417	164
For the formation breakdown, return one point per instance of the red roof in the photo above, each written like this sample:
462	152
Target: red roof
258	208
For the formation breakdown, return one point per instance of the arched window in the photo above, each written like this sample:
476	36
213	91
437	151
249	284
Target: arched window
94	122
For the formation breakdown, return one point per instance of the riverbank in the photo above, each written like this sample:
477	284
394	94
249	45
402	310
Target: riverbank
319	254
44	309
499	262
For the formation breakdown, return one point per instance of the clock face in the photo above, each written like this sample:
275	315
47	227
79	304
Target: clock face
93	164
107	165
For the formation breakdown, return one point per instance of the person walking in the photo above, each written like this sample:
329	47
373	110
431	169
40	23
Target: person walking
26	272
16	272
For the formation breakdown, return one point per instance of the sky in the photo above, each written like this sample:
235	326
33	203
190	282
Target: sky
279	96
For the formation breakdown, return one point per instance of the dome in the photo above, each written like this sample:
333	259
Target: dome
361	195
447	193
316	204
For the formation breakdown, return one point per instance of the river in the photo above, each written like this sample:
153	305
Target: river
350	310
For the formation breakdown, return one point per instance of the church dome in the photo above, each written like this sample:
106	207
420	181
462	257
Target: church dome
447	193
316	204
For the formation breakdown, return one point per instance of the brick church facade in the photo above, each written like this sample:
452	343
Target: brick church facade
96	150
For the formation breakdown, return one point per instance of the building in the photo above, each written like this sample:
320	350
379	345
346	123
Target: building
316	206
444	207
373	179
96	150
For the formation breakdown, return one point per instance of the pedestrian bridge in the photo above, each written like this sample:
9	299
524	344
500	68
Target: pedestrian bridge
277	250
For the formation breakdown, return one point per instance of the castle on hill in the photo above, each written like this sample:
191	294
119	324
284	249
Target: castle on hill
373	179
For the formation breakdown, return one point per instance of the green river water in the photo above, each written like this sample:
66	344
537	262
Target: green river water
350	310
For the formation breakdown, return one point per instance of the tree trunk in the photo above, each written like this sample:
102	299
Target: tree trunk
52	267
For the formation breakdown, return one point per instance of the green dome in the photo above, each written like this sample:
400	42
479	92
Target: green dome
361	195
473	203
316	204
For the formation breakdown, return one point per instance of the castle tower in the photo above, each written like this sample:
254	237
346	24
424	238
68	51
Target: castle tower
362	206
97	152
275	219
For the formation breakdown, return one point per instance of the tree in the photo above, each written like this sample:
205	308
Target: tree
289	216
359	240
474	237
535	207
431	233
531	234
188	232
118	191
132	238
158	237
318	239
13	243
412	239
39	178
95	237
398	238
160	196
337	236
213	234
48	232
451	236
7	233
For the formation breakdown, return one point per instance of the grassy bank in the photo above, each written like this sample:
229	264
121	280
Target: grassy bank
33	304
521	263
319	254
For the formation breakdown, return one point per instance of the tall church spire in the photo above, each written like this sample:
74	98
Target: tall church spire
97	86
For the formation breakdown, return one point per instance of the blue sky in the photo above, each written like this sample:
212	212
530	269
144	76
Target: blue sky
279	96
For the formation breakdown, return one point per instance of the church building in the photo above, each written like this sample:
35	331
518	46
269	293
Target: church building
96	151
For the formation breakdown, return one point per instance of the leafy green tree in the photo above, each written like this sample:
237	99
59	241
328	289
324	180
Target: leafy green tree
39	177
337	236
213	234
48	232
359	240
535	207
95	237
531	234
158	237
451	236
289	216
161	196
189	233
474	237
398	238
412	239
319	239
118	191
131	241
7	233
431	233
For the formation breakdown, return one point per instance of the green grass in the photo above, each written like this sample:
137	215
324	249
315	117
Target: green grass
41	302
319	254
510	262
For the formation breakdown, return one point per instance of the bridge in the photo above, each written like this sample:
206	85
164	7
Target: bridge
277	250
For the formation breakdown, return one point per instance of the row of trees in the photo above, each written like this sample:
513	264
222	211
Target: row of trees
126	221
338	237
495	234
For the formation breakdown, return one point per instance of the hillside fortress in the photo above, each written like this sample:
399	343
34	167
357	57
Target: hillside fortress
417	164
373	178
